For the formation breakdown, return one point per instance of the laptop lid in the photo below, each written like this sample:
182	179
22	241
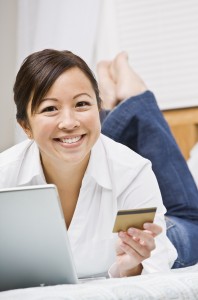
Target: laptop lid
34	245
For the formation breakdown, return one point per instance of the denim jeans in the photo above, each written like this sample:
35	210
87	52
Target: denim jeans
183	234
139	124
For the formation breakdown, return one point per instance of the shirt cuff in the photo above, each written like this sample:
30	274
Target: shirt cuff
113	271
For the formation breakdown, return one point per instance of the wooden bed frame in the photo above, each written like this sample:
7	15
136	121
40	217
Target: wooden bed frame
184	126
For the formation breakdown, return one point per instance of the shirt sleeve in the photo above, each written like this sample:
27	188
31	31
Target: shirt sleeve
144	192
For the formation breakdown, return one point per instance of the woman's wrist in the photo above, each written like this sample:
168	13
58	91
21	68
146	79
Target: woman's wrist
132	272
115	272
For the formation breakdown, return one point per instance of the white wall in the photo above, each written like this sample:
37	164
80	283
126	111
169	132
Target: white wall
7	70
161	38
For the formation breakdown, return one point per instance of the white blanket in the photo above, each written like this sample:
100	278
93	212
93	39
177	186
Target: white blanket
178	284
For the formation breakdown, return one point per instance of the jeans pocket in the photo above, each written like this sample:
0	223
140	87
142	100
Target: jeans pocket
169	223
184	236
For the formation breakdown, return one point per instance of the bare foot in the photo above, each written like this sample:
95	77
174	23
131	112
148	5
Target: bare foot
106	85
128	83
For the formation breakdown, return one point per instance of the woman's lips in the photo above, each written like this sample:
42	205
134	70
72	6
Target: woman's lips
70	140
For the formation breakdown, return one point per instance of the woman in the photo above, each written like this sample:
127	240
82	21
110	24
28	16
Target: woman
58	105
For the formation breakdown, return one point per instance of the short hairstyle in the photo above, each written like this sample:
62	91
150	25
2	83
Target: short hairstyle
37	74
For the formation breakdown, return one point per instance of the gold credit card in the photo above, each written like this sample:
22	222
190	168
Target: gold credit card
133	218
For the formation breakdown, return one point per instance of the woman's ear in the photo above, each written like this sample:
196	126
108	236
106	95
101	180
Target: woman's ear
26	128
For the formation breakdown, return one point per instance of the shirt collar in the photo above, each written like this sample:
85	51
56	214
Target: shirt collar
98	167
31	168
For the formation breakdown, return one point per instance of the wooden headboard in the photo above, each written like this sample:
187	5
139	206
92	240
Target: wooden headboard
184	126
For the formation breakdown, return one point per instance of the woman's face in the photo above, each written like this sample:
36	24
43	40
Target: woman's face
66	124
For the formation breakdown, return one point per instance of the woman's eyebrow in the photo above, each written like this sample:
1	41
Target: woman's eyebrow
81	94
76	96
46	99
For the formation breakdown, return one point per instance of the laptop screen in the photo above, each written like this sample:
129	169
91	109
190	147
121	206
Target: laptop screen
34	246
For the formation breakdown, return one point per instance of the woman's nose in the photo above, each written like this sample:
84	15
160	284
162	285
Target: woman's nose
68	121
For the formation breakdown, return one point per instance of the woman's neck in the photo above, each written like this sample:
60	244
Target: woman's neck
63	174
68	179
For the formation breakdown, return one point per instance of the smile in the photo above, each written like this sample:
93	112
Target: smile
71	140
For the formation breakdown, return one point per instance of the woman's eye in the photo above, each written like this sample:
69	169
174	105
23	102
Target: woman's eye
49	109
83	104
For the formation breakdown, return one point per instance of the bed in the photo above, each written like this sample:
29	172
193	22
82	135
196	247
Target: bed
177	284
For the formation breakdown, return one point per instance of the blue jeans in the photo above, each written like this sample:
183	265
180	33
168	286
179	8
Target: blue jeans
139	124
183	234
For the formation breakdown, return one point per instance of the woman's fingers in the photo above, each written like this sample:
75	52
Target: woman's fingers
134	246
153	229
139	241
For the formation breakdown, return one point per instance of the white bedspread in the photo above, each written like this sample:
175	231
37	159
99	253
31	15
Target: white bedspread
178	284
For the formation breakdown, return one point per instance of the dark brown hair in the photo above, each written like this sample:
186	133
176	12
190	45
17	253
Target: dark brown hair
37	74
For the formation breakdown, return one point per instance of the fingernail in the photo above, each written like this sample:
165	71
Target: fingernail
146	225
142	242
131	230
121	234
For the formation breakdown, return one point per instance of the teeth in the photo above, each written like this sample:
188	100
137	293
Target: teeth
71	140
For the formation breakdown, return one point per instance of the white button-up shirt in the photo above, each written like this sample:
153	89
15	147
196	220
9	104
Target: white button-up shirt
116	178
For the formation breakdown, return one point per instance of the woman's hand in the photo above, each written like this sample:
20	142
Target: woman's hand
134	246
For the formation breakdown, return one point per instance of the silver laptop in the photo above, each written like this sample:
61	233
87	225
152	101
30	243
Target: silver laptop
34	246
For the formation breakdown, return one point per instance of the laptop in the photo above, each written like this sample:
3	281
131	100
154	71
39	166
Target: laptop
34	245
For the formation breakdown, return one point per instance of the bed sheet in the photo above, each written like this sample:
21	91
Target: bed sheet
178	284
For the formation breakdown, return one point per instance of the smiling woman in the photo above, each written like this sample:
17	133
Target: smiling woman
58	104
66	123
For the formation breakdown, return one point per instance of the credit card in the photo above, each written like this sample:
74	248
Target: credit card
133	218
